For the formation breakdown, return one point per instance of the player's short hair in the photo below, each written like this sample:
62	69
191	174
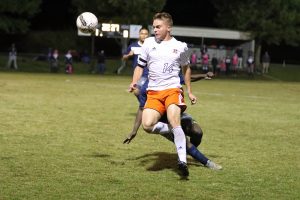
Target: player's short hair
164	16
143	28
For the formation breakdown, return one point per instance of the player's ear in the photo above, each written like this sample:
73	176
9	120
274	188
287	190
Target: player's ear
169	28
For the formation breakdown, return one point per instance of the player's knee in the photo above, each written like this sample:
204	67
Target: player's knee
148	127
196	135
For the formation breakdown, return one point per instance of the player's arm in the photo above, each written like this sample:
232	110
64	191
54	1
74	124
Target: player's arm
187	80
138	71
197	77
127	56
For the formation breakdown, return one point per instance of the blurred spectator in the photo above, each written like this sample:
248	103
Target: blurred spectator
101	62
235	62
239	52
205	62
12	57
266	62
54	61
69	63
222	66
214	63
250	63
194	60
203	49
85	58
227	64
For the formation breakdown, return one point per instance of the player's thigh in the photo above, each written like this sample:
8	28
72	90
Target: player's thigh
173	114
176	96
150	118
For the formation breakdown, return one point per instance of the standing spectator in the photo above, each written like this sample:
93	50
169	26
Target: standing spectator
12	57
101	62
239	53
205	62
214	63
54	61
69	63
235	62
266	62
222	66
203	49
250	63
194	60
227	64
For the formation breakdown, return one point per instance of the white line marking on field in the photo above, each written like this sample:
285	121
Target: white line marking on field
235	95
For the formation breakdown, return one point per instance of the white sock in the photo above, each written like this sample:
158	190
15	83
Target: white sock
161	128
180	143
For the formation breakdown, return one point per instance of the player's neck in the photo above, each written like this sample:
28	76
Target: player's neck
167	38
140	42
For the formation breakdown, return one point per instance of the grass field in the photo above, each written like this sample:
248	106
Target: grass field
61	138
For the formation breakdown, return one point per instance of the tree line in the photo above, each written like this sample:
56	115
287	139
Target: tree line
269	21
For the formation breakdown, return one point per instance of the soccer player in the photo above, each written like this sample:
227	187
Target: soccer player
164	56
193	130
133	49
141	94
190	127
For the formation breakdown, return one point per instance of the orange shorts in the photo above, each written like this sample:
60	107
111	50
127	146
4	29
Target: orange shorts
160	100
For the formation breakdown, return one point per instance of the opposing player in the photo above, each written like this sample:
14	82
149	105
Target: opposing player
192	130
164	56
133	50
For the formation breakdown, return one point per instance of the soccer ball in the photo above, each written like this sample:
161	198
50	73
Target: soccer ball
87	22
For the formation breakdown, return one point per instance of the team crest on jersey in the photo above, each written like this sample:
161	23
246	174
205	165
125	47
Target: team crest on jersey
175	51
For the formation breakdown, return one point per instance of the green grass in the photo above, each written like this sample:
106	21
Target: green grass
61	138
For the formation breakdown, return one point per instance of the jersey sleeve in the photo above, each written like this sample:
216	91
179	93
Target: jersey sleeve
143	57
185	56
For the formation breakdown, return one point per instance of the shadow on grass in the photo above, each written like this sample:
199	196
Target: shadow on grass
100	155
158	161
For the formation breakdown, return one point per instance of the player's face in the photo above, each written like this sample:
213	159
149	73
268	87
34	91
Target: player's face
143	35
161	29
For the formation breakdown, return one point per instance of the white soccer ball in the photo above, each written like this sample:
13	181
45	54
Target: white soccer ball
87	22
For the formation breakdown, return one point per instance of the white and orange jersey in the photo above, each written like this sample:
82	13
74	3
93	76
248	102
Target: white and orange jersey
164	60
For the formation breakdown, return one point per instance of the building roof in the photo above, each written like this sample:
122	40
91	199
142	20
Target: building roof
210	33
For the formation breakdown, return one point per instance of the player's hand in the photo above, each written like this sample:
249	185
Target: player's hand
129	138
131	53
132	87
193	98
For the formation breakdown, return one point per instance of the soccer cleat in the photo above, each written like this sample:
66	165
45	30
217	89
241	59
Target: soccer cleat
182	166
211	165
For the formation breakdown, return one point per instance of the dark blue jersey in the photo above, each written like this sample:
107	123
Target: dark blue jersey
136	48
